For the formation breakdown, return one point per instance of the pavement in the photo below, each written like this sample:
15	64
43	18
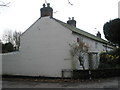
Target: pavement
112	83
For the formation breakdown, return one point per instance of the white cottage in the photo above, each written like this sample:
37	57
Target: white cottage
45	51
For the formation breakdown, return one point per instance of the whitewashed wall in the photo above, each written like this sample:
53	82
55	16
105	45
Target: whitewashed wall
11	63
94	47
44	51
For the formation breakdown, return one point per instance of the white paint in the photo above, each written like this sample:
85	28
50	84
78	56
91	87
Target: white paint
44	50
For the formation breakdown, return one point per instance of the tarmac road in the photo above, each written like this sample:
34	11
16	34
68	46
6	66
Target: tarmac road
100	83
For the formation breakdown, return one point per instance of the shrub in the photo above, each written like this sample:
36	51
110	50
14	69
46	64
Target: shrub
110	59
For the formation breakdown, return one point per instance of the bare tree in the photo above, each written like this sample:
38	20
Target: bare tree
12	37
7	36
3	4
69	2
45	1
0	46
79	51
16	38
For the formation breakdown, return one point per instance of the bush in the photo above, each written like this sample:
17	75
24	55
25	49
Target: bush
110	59
7	47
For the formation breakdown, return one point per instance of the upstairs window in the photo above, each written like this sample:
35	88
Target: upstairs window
78	40
96	45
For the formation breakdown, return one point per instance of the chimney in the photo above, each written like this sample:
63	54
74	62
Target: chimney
98	34
46	11
71	22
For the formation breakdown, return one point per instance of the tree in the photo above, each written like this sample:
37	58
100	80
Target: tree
79	51
3	4
7	47
7	36
16	38
111	31
0	46
12	37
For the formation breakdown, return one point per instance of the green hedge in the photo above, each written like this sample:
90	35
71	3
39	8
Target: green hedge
110	59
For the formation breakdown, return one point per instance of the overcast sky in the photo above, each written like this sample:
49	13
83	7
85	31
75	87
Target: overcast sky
89	14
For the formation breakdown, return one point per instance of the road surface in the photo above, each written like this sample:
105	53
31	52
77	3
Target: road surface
39	83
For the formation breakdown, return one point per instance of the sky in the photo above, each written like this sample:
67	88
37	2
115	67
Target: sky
90	15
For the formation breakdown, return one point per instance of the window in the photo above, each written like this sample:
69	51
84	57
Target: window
96	44
78	40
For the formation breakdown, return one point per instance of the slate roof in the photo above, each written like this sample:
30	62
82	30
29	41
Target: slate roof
81	32
78	31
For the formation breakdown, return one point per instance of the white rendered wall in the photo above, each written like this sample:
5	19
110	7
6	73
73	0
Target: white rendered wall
44	51
11	63
94	46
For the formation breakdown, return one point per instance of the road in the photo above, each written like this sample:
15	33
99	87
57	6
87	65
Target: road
100	83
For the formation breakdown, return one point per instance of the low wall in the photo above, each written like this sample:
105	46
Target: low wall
17	63
100	73
10	63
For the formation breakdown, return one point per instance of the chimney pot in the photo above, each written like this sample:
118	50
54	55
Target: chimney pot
46	11
71	22
69	18
98	34
48	5
72	18
43	5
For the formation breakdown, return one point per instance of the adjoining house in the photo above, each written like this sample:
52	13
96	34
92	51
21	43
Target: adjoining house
45	50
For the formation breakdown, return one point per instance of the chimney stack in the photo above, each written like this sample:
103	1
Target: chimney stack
46	11
98	34
71	22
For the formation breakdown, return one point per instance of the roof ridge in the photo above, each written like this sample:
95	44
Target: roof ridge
82	32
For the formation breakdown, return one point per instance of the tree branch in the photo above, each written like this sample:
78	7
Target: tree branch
4	4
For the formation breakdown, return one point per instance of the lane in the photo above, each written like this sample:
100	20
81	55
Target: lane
104	83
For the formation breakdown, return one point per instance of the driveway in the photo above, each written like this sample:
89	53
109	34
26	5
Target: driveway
39	83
